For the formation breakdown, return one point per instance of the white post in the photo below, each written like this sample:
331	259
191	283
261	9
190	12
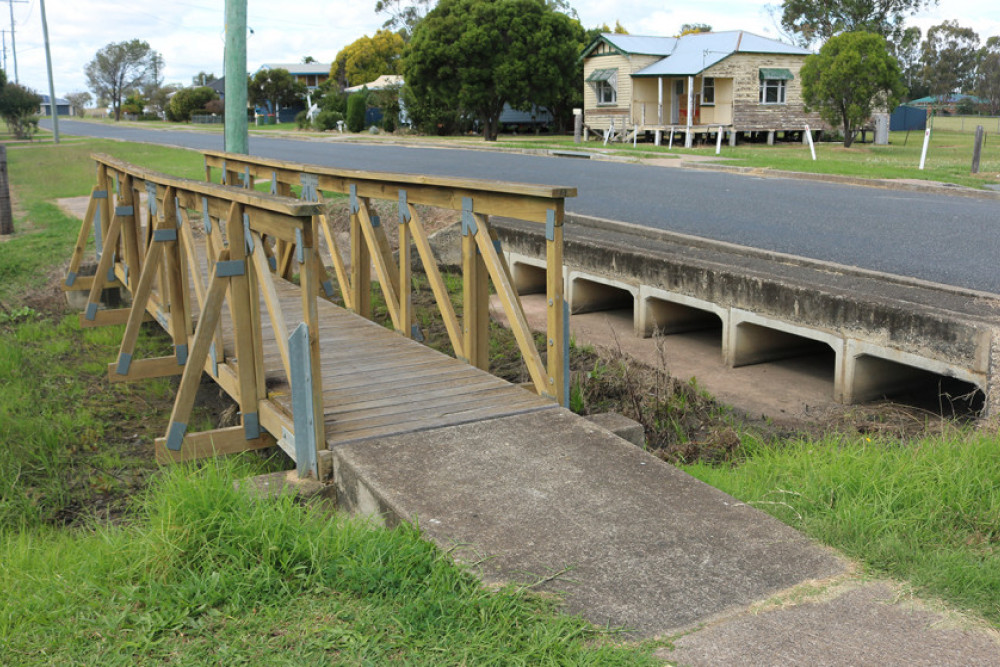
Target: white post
718	142
809	137
658	137
923	153
671	146
659	99
635	136
689	136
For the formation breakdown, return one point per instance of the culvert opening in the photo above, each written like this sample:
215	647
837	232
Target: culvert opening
804	357
589	296
528	278
668	318
876	378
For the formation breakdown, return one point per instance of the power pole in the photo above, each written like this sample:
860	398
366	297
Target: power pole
3	34
237	138
13	45
53	107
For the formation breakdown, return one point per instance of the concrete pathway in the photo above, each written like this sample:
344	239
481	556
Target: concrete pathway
553	501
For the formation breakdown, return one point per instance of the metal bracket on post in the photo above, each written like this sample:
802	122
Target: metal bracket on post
118	185
181	352
205	217
274	182
302	403
177	212
310	187
151	197
550	225
164	235
215	359
354	199
230	268
300	253
404	209
224	172
124	211
100	194
247	236
175	436
468	218
246	177
124	361
251	425
98	235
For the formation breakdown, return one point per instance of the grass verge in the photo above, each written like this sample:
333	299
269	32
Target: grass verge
207	575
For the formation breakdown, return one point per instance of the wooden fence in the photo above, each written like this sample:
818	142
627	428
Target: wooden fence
482	259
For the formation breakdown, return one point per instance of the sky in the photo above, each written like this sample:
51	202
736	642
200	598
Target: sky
190	33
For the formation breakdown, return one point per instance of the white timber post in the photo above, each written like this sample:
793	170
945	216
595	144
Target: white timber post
718	141
809	138
688	135
923	152
659	100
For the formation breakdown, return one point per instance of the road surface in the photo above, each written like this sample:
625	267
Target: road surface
944	239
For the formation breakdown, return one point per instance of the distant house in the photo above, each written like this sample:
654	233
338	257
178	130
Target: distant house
63	107
948	103
311	74
695	84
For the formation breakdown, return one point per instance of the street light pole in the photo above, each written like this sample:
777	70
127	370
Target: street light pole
237	140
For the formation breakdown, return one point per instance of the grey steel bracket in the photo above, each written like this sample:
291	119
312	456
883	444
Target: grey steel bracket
230	268
164	235
468	218
251	425
181	352
247	236
91	313
70	278
100	194
175	436
205	217
310	187
246	177
224	173
354	199
124	361
404	209
274	182
376	221
98	240
215	359
300	253
498	246
151	197
177	212
550	225
302	404
328	288
124	210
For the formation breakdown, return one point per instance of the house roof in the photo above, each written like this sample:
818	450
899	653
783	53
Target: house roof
384	81
691	54
954	98
299	68
59	100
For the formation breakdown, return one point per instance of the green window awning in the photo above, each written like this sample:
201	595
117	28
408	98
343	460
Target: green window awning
602	75
775	73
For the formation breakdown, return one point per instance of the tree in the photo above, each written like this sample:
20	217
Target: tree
203	79
988	76
79	101
19	107
367	58
907	52
159	101
403	16
274	89
188	100
356	107
120	68
819	20
477	55
949	56
852	75
694	28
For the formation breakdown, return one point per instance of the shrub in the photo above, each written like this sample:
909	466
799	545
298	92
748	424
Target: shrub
302	120
356	105
188	100
327	120
18	106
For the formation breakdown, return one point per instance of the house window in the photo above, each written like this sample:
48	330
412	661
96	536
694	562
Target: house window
708	91
606	93
773	84
605	84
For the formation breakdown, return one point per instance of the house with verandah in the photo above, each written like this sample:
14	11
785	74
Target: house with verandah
696	84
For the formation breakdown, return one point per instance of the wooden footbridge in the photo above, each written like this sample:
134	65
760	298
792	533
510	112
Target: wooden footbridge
247	284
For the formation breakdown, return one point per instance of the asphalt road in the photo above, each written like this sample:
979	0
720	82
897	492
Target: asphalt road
950	240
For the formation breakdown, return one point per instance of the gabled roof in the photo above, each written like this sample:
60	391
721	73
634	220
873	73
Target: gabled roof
691	54
59	101
381	83
300	68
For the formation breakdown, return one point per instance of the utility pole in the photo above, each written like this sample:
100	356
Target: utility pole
3	34
13	45
53	107
237	139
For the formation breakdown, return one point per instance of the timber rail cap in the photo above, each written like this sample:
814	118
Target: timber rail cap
278	204
469	184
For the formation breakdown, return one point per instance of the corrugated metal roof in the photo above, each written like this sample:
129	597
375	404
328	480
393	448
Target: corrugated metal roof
638	44
300	68
699	51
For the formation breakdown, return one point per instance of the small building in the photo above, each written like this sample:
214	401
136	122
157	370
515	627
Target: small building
695	84
311	74
63	107
947	103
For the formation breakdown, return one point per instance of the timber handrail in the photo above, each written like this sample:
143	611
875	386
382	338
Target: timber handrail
482	258
198	258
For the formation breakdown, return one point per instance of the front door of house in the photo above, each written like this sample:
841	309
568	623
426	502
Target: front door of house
677	94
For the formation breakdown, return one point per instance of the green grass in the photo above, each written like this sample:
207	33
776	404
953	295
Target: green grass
207	575
926	511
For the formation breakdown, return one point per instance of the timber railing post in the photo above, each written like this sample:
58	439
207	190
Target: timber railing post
475	293
557	328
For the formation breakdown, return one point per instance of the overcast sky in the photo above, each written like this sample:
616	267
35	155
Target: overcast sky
190	33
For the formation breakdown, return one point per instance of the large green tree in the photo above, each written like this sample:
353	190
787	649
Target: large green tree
988	75
274	89
819	20
188	100
121	68
368	58
949	56
852	75
477	55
